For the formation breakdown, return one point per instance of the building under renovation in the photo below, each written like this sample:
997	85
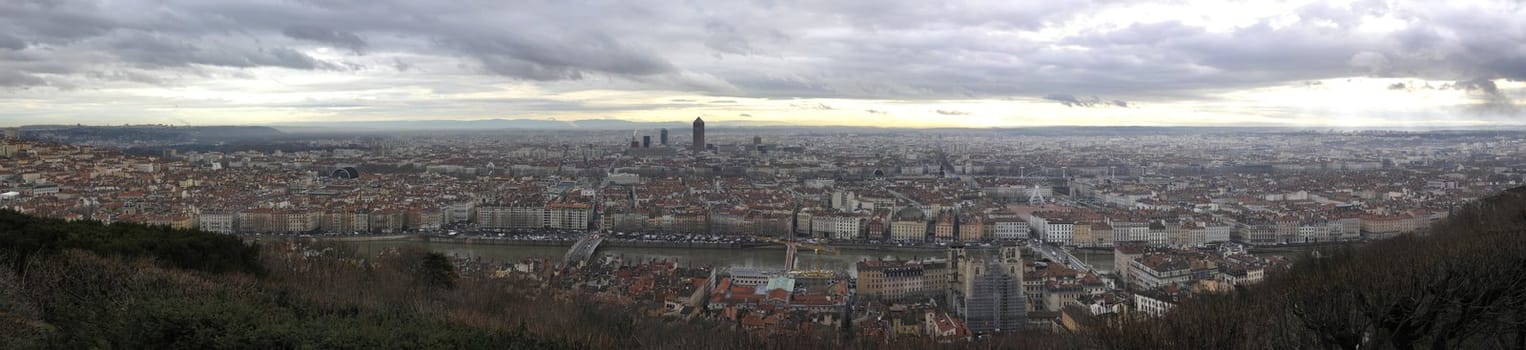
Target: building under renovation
986	288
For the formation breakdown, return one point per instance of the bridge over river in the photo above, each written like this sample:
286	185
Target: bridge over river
582	250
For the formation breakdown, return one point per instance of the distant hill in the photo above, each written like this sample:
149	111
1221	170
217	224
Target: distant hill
149	133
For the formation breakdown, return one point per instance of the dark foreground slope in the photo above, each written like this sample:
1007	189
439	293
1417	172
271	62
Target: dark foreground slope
1463	285
82	285
77	285
23	236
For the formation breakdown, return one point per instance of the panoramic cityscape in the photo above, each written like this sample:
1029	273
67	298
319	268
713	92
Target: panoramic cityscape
942	235
391	174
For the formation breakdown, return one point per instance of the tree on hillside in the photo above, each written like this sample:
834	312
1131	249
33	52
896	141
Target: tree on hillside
1459	286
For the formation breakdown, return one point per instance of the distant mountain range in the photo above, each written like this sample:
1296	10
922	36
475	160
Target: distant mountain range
160	133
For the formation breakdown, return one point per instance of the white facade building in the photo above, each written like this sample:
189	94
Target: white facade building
1010	229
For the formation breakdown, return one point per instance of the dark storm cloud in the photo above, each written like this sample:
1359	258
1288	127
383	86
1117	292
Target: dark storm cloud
336	38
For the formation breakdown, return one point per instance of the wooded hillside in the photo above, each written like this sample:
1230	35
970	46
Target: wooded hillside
1461	285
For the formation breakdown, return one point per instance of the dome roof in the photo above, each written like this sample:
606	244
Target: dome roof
346	173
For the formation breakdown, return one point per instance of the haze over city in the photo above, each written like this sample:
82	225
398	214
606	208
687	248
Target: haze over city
1340	64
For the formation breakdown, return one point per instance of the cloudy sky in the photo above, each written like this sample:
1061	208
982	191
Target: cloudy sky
1354	64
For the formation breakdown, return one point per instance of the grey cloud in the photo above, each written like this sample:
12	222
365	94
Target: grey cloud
568	58
1482	85
1170	56
1068	100
724	38
1396	86
128	75
814	106
681	100
286	57
336	38
159	51
1493	101
187	33
162	51
901	49
517	106
914	14
951	112
745	115
56	21
723	101
18	79
525	70
11	42
1373	62
1073	101
876	111
745	37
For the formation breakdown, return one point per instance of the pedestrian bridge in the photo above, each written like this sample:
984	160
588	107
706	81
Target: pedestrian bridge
582	250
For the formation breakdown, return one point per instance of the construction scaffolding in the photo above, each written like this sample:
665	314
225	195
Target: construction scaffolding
986	289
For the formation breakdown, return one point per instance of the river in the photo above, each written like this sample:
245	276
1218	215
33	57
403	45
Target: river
688	257
693	257
1100	260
